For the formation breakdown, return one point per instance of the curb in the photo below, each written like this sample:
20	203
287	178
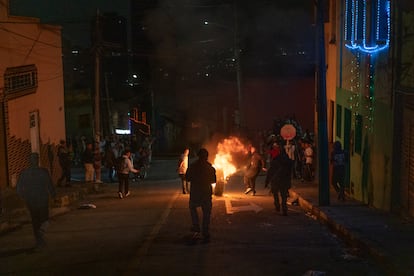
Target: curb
351	238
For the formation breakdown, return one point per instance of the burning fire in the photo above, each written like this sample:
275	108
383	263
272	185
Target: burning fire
224	161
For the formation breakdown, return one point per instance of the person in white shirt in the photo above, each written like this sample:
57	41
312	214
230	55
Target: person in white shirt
182	169
123	174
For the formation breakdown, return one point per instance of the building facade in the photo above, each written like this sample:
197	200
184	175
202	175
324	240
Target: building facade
31	94
403	96
369	91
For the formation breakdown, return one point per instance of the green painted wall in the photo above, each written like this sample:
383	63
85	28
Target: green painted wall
370	170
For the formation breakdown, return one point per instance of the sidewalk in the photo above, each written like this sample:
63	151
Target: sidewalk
386	238
15	213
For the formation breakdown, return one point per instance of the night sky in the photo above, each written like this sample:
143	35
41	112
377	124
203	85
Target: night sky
259	20
270	34
74	15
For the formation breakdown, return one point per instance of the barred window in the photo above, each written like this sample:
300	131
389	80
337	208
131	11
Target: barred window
20	80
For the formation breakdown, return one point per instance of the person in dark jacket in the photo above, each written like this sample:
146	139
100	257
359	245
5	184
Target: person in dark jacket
201	174
110	161
65	163
339	159
256	165
88	161
279	176
35	187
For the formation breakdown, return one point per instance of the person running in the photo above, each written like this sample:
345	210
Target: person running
256	165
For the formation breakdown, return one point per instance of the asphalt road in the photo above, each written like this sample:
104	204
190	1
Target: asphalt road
147	234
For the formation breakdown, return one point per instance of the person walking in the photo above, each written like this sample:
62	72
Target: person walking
338	160
279	176
35	186
124	167
201	174
256	165
182	169
65	164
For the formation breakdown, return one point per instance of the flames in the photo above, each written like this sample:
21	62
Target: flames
225	161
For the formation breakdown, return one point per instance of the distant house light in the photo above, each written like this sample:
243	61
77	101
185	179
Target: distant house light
75	52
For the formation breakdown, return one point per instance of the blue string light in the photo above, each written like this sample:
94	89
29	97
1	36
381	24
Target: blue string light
356	26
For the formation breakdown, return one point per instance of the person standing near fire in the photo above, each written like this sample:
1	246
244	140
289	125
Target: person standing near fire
182	169
201	174
255	166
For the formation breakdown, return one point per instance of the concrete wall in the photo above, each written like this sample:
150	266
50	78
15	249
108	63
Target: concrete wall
24	41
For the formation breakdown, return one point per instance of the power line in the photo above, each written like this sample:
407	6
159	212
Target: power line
29	38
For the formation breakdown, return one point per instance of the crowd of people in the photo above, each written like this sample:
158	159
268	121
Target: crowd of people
281	160
300	150
94	155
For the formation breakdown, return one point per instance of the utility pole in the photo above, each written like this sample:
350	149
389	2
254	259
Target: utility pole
108	108
97	111
323	164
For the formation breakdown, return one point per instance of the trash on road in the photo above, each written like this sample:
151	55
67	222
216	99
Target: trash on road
87	206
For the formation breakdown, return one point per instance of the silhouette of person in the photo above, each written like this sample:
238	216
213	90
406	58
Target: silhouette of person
35	187
201	174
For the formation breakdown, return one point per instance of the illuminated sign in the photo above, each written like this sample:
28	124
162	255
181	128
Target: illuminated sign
122	131
367	25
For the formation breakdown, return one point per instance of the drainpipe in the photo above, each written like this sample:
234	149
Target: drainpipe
321	109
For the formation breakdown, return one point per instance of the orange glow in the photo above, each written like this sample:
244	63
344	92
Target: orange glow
224	161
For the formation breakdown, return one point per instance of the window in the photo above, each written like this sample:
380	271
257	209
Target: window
338	120
358	133
20	80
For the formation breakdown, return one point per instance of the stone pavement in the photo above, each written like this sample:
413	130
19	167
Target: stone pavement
386	238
